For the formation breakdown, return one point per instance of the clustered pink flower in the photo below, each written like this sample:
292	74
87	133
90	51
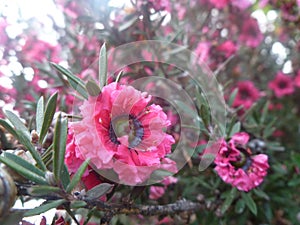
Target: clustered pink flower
236	164
121	131
247	94
282	85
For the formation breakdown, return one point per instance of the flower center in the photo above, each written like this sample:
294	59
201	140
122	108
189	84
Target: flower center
126	125
240	160
282	84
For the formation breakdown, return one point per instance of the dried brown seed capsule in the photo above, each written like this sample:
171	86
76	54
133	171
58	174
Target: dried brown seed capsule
8	192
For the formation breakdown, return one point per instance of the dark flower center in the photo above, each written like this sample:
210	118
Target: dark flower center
282	85
126	125
244	94
242	161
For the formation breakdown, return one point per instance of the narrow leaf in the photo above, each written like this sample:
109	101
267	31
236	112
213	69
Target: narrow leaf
59	145
235	129
42	190
77	177
18	124
228	201
264	112
232	97
23	171
76	83
9	128
249	202
39	115
48	116
239	206
65	177
22	162
77	204
98	191
28	145
103	66
92	88
119	76
44	207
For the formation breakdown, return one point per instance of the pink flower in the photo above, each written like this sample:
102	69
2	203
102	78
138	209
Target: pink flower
39	51
247	94
156	192
297	79
228	48
121	131
250	35
3	35
282	85
236	165
241	4
219	3
202	51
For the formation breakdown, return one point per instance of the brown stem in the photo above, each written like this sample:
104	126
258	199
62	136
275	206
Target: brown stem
148	210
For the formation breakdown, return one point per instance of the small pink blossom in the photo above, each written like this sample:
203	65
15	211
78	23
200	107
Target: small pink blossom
228	48
297	79
250	34
247	94
156	192
282	85
219	3
236	165
121	131
202	51
241	4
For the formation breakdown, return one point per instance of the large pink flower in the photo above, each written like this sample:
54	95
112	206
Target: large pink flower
74	159
121	131
247	94
236	165
282	85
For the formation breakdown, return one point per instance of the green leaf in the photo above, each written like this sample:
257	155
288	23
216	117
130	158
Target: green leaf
9	128
28	145
103	66
239	206
129	22
249	202
92	88
65	177
24	163
43	190
98	191
23	171
264	112
39	115
261	194
228	200
119	76
44	207
77	177
235	129
77	204
18	124
76	83
232	96
59	145
48	116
